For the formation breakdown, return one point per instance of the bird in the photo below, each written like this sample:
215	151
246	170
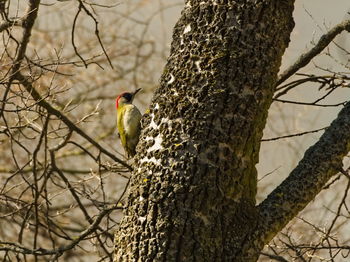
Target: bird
128	122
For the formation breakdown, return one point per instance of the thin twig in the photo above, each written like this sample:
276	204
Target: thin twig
305	58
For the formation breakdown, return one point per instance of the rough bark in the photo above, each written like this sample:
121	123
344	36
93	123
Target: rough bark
192	193
319	164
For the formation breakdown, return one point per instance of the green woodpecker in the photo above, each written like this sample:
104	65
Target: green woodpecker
128	122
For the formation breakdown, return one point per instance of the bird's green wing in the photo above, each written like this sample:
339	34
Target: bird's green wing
121	131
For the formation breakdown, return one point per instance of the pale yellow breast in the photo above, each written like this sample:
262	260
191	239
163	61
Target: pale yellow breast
131	120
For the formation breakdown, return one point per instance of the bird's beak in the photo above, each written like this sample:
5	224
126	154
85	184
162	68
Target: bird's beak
136	91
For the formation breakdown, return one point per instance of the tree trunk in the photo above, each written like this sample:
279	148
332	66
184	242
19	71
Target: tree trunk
192	192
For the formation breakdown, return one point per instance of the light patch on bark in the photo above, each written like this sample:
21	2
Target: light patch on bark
182	43
193	100
187	29
157	143
142	219
153	124
198	65
150	160
172	79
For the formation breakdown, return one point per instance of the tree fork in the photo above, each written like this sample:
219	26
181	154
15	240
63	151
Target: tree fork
192	192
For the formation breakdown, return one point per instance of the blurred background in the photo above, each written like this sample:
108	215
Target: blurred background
80	57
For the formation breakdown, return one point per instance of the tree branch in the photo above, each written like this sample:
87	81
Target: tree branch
37	97
305	58
274	257
28	23
17	248
7	24
319	164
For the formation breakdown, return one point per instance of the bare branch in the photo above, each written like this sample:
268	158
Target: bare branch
320	163
7	24
31	90
41	251
97	31
274	257
305	58
293	135
28	24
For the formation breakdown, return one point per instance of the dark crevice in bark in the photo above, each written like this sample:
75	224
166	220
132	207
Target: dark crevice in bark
167	244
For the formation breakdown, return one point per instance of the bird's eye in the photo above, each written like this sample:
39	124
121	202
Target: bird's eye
128	96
